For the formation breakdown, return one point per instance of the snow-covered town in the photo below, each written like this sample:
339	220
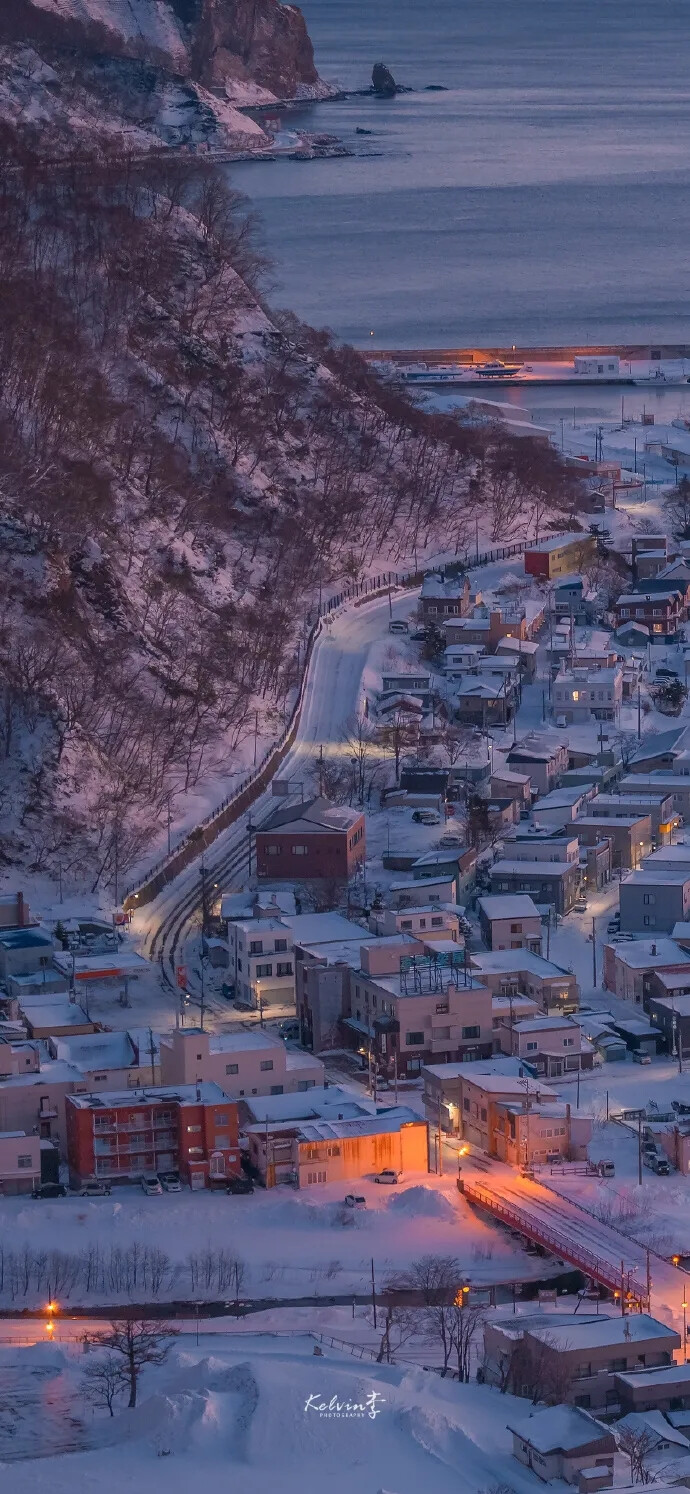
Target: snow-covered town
344	747
394	1075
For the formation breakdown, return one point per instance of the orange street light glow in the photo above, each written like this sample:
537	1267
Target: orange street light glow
52	1306
50	1327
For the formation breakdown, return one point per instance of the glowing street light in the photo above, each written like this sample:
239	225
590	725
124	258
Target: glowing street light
684	1306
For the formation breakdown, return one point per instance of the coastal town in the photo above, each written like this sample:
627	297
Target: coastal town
442	998
344	747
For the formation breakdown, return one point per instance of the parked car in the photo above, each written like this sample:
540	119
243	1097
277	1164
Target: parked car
397	625
525	814
606	1168
639	1056
170	1181
355	1201
613	925
50	1190
452	838
94	1188
388	1176
418	635
240	1184
150	1184
581	905
657	1163
426	817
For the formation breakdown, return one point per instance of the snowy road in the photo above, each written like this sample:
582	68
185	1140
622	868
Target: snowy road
579	1233
331	699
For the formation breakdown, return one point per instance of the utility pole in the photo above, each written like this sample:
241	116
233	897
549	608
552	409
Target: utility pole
594	951
249	843
639	1149
152	1055
373	1290
639	711
440	1152
116	849
202	1004
204	902
256	734
395	1073
169	824
321	771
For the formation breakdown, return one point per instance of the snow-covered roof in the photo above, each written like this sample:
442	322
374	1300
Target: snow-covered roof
655	1423
558	542
544	869
561	1429
315	1104
206	1092
509	904
243	1042
53	1013
644	954
600	1332
563	798
109	1050
390	1120
543	1024
322	928
499	961
449	587
660	744
102	966
315	817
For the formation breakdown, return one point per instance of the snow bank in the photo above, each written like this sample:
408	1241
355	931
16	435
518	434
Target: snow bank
423	1203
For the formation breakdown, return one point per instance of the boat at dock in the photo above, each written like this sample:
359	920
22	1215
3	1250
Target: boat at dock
658	379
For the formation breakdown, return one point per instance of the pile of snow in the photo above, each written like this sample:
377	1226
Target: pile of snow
423	1203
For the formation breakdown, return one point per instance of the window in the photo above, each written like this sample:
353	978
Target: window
196	1151
649	921
232	1068
441	1008
266	1065
316	1177
263	970
483	1113
221	1119
515	928
256	947
441	1032
471	1032
23	1161
276	1089
198	1058
273	850
437	923
280	946
414	1039
649	899
285	968
304	1084
299	850
406	923
193	1128
466	1104
221	1141
568	1042
531	1047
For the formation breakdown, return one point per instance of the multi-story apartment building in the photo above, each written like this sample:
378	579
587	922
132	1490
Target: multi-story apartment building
191	1129
261	962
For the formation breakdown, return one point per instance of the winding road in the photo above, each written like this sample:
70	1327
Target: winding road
331	698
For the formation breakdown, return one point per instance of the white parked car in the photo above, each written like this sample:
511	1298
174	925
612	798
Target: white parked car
355	1201
170	1181
150	1184
388	1176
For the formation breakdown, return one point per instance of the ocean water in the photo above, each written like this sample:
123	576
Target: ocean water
544	197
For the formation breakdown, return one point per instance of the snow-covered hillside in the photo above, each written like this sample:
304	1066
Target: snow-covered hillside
173	71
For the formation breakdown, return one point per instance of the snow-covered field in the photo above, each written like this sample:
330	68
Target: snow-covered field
237	1416
291	1244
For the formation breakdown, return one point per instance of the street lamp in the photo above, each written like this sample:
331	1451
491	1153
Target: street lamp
684	1306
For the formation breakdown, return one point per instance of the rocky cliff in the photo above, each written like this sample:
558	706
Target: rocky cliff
173	69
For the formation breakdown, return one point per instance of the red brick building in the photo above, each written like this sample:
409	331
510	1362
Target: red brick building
315	841
189	1128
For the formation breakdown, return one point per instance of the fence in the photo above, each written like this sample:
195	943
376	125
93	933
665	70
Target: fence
598	1267
202	836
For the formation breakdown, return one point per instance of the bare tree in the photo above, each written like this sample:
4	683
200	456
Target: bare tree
535	1370
637	1443
399	1325
434	1279
134	1343
104	1380
466	1321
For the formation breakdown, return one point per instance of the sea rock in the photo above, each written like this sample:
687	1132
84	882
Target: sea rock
383	82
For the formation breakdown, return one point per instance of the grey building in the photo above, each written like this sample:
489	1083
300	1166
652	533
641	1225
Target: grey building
556	882
630	836
655	898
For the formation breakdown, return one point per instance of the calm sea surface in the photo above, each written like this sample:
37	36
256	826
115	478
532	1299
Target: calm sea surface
544	197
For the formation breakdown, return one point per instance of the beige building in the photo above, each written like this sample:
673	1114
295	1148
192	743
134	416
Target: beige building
20	1162
510	921
553	1045
462	1094
592	1351
512	973
560	1441
240	1063
330	1136
35	1101
527	1135
628	965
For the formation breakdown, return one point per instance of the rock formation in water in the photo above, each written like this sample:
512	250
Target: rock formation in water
383	82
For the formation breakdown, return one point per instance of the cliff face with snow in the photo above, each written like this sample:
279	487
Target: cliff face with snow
171	69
